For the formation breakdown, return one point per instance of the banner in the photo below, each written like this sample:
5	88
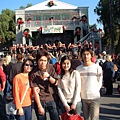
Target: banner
52	29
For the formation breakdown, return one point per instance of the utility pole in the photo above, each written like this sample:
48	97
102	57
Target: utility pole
111	26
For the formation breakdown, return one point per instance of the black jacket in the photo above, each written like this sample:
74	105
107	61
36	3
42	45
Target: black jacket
15	69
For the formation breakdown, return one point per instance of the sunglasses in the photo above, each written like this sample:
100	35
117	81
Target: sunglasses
28	65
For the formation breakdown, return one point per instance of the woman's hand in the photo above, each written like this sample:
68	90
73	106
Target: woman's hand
20	111
41	111
37	89
73	107
67	108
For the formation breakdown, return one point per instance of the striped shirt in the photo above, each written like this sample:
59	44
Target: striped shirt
91	81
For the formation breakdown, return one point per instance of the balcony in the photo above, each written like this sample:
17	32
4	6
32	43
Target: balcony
69	24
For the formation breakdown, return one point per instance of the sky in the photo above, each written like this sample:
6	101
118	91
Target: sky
15	4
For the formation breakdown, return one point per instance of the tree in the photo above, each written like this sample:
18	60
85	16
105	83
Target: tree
23	7
28	5
108	12
7	26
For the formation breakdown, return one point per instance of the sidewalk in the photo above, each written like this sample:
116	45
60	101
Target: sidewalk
110	106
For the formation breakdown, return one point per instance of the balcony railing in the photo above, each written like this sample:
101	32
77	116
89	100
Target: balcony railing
52	22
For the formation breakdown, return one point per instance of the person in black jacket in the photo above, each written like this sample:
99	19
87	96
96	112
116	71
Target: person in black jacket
75	62
16	67
108	74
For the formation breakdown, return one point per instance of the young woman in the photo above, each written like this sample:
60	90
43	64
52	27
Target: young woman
20	83
69	87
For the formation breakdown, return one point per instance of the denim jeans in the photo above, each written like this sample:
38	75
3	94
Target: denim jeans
8	88
91	109
3	115
78	108
50	107
27	114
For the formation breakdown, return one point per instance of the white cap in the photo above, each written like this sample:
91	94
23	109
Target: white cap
104	52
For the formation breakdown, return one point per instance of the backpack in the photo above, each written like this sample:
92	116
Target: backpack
101	63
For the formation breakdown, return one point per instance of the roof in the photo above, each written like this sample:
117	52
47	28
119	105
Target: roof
57	5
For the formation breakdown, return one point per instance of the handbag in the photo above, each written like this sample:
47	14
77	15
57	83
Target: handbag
67	116
102	90
11	109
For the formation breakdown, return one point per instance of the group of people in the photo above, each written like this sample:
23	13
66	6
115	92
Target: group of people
72	88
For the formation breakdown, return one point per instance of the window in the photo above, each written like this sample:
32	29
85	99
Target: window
65	17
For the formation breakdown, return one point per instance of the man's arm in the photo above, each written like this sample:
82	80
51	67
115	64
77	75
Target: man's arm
37	100
100	76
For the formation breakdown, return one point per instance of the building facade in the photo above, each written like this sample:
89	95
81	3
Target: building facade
51	21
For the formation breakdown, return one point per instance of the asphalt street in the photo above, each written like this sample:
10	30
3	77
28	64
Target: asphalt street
109	106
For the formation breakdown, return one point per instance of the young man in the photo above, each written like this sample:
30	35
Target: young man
91	82
45	78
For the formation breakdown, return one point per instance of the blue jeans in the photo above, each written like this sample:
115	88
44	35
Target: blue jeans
27	114
91	109
8	88
50	107
78	108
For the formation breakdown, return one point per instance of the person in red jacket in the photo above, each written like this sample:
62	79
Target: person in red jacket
3	115
2	80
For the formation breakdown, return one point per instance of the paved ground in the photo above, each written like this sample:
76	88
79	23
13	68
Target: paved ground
109	108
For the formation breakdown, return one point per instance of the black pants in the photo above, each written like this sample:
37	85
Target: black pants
3	115
108	83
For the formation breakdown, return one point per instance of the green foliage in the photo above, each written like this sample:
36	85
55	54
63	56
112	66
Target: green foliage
10	36
28	5
7	25
23	7
109	15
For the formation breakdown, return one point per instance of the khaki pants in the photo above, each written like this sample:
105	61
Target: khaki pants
91	109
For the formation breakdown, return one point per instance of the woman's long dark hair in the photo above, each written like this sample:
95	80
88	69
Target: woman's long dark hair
24	62
62	70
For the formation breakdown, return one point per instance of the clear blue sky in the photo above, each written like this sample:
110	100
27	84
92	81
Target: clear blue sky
15	4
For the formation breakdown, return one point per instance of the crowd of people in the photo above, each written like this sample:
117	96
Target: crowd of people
58	77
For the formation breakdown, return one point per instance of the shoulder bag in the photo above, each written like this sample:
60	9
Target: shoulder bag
11	109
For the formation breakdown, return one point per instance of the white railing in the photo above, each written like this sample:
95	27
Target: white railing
52	22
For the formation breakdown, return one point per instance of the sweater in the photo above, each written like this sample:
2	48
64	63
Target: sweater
91	81
69	88
19	86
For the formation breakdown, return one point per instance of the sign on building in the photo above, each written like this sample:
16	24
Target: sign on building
52	29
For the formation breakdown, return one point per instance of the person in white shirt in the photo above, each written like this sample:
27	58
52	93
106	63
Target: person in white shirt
69	87
91	82
100	60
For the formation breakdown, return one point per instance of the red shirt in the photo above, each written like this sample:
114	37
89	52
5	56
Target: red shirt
2	78
57	68
93	59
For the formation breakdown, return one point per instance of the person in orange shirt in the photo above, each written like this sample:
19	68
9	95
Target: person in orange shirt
20	83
